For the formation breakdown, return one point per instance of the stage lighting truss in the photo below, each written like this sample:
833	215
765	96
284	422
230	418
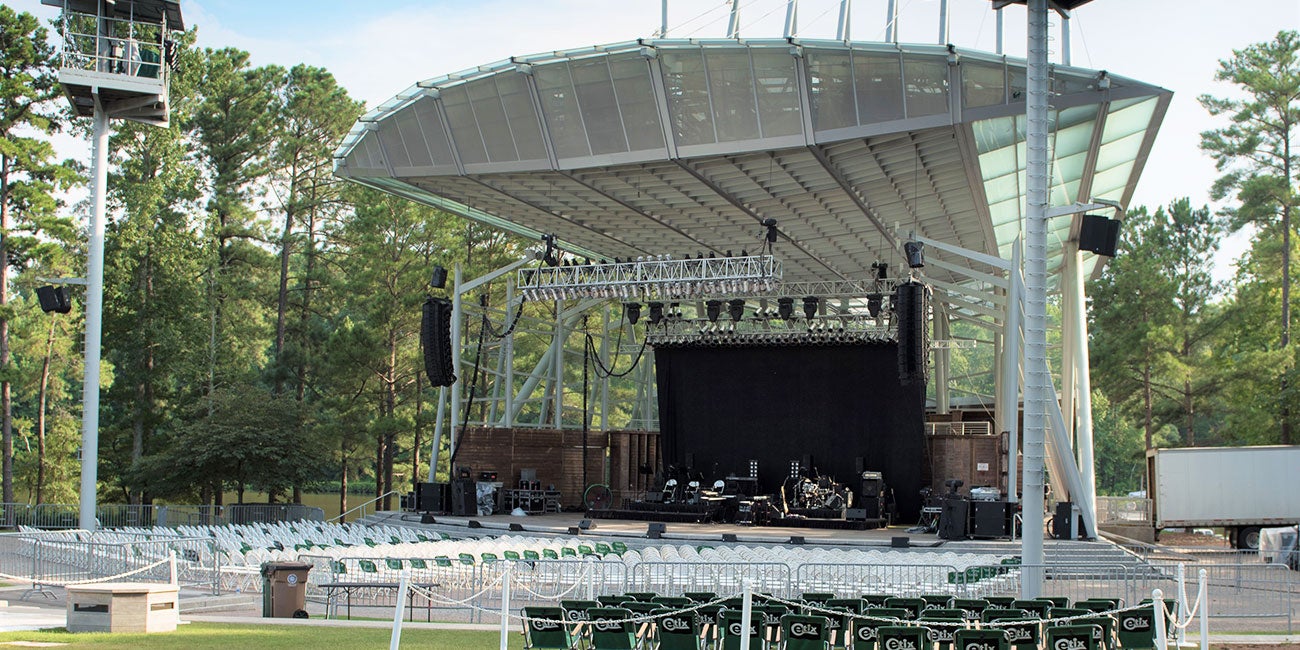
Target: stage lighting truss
833	329
659	277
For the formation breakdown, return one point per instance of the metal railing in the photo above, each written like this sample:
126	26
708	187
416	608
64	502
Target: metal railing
975	428
361	509
677	578
64	516
112	45
57	558
1124	510
853	580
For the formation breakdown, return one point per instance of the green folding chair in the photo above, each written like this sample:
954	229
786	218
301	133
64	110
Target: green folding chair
1038	607
1000	601
730	629
393	563
865	629
544	629
603	549
1136	629
912	605
945	625
565	551
971	607
610	629
1100	604
550	554
673	602
1072	637
641	596
619	547
510	555
816	596
937	601
842	626
1021	636
576	616
991	639
677	630
1057	601
613	601
909	637
700	596
531	555
875	600
802	632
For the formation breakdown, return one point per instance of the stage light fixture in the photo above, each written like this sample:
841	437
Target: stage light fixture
633	311
810	306
713	309
874	302
915	251
772	232
656	312
882	269
785	308
737	309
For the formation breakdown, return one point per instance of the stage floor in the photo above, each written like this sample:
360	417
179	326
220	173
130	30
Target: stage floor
625	529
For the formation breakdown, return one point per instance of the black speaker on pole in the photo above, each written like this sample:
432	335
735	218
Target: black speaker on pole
435	336
910	303
54	299
1098	234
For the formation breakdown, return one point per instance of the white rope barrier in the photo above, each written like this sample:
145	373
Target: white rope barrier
65	583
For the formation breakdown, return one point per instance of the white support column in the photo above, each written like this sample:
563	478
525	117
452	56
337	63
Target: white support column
94	320
1037	380
942	357
1083	435
604	354
1065	38
733	22
998	48
437	435
457	318
557	358
1011	347
1069	269
508	351
663	20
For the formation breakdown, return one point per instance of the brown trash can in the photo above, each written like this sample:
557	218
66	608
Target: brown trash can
284	589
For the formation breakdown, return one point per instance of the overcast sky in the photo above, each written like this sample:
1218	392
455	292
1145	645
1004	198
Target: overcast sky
378	49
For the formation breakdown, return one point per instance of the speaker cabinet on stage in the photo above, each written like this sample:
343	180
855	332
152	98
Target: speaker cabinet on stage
988	519
464	500
913	348
1067	523
873	484
430	497
952	518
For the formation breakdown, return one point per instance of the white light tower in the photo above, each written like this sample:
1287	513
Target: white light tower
113	63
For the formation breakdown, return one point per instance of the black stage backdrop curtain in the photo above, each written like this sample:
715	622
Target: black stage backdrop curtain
727	405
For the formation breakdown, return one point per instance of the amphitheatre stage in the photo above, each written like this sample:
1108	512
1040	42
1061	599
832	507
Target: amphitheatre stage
717	223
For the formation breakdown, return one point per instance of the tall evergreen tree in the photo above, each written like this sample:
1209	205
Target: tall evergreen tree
1257	154
29	178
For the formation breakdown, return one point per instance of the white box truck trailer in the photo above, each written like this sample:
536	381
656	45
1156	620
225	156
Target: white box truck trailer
1240	489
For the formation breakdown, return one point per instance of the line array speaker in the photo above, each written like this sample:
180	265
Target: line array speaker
911	307
1099	234
435	336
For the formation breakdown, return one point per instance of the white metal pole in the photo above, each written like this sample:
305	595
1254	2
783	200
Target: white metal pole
733	23
1158	619
505	606
791	18
842	32
395	641
1065	39
1181	610
943	22
891	22
1037	380
171	565
746	615
663	20
1069	268
1203	596
999	37
94	320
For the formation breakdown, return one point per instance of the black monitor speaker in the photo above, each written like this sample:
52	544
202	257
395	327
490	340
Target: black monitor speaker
464	501
429	497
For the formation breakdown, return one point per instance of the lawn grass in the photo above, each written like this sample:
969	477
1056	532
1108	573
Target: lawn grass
216	635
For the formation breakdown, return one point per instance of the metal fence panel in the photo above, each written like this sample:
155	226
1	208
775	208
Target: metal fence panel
853	580
1075	581
57	558
676	578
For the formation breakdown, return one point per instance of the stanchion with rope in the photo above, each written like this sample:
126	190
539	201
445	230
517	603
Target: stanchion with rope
746	614
395	641
505	605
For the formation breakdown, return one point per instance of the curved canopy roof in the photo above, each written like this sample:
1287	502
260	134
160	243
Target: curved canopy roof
685	146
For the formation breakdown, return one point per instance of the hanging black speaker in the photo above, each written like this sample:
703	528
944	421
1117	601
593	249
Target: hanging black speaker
54	299
910	304
435	336
1098	234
